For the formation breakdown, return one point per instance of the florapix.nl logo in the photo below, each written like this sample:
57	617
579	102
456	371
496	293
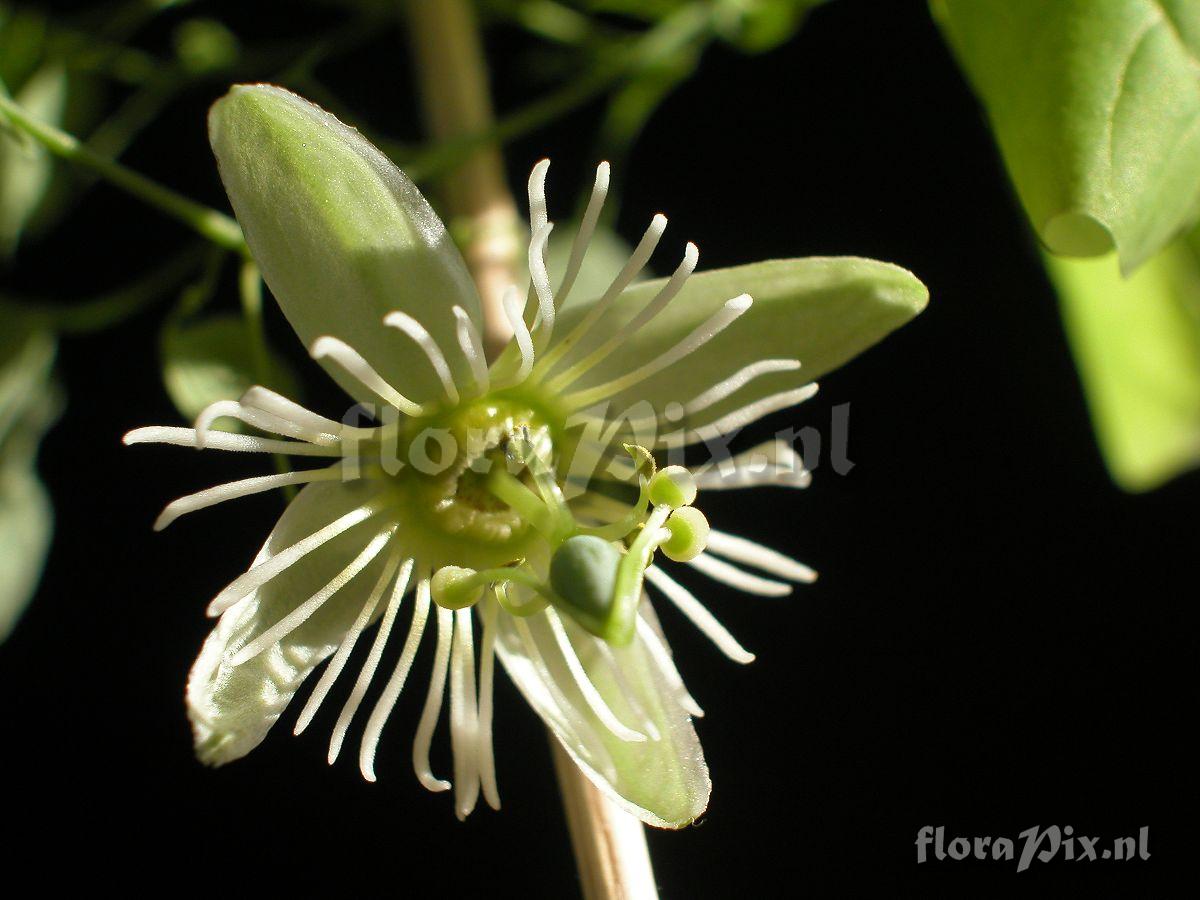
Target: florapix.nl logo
1036	843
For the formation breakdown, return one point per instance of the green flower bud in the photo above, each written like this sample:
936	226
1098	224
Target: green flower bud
673	486
452	588
689	534
583	574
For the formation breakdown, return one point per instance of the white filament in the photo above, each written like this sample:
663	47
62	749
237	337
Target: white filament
416	331
636	262
541	282
487	673
305	610
351	360
590	695
699	615
771	463
261	420
391	692
752	554
338	662
514	311
627	691
243	488
260	574
537	196
472	348
737	381
268	401
583	236
666	665
371	663
721	571
742	417
433	699
464	716
223	440
691	256
704	333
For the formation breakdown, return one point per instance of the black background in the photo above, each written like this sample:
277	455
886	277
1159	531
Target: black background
997	640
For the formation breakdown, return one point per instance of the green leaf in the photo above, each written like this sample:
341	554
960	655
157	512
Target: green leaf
663	781
28	406
763	25
1137	346
214	359
1096	107
26	168
341	235
232	707
822	311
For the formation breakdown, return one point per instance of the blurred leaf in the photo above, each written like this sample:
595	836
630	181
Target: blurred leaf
1137	345
214	359
28	406
1096	107
22	39
25	167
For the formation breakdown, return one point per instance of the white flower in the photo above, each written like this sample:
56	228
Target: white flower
499	501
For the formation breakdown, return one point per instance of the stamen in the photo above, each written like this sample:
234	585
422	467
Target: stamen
251	580
244	488
433	352
305	610
540	279
345	648
472	348
487	670
699	615
708	330
223	440
771	463
583	236
674	285
433	700
387	700
662	658
637	261
350	360
723	572
753	554
261	420
514	311
740	418
268	401
590	695
464	722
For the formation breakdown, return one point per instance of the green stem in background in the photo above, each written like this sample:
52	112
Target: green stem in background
112	308
208	223
677	32
250	290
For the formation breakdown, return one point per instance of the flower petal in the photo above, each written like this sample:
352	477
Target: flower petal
664	780
822	311
231	707
341	235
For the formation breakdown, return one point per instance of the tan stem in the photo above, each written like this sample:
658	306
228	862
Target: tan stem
452	78
610	845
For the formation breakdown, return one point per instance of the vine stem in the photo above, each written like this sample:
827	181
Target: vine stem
609	844
452	77
210	224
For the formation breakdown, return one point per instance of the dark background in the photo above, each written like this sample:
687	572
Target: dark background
997	640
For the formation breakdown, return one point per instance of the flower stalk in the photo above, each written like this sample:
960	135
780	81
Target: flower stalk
609	844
